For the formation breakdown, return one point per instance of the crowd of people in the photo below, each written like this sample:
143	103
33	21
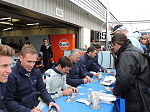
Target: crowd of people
132	69
25	83
23	87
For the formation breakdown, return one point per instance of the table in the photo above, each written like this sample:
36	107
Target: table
80	107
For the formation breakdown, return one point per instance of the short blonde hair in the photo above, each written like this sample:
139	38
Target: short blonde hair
28	48
5	50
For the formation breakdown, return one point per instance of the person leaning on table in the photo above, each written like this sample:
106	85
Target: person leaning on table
95	59
25	84
56	79
6	54
75	76
132	75
87	64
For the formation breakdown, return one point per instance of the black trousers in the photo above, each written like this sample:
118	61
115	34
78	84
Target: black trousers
47	62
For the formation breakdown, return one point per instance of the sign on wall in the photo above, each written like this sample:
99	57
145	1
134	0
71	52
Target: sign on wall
102	36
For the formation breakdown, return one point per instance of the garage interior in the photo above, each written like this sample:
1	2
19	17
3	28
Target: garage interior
17	22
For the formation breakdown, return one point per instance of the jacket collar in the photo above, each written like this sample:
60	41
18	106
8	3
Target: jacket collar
54	68
22	70
86	56
123	47
1	83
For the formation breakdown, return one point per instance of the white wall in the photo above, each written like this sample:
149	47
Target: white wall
84	34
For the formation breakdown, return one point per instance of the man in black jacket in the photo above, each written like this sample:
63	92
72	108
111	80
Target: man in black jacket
133	75
6	54
46	49
25	84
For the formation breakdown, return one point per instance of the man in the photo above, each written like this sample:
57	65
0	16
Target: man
75	76
95	59
56	79
133	75
12	44
92	43
4	41
132	36
47	52
25	84
27	40
87	64
6	54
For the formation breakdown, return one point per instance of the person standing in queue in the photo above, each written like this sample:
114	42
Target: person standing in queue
132	75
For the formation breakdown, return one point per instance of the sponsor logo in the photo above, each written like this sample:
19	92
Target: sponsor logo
64	44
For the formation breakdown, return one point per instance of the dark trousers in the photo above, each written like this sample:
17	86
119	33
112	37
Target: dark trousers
47	62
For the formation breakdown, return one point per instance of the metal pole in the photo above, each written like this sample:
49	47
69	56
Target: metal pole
107	26
100	31
100	34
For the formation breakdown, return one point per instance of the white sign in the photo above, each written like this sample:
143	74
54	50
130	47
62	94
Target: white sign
59	12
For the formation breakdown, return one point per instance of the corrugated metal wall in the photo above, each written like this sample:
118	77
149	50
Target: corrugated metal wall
94	7
91	17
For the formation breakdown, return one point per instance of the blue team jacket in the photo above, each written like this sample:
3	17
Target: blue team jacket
87	64
95	59
23	91
75	76
2	97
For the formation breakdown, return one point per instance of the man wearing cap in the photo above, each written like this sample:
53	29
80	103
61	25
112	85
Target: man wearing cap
120	28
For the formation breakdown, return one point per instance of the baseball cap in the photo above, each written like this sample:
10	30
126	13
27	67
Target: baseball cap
116	28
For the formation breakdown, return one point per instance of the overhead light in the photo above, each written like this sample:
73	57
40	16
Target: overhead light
5	18
8	23
14	20
7	29
33	24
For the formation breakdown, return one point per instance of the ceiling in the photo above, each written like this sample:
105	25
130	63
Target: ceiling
13	18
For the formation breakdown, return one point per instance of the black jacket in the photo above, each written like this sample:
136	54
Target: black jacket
47	52
23	91
132	78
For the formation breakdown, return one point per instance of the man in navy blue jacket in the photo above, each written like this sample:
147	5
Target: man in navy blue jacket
75	76
87	64
95	59
6	54
25	84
